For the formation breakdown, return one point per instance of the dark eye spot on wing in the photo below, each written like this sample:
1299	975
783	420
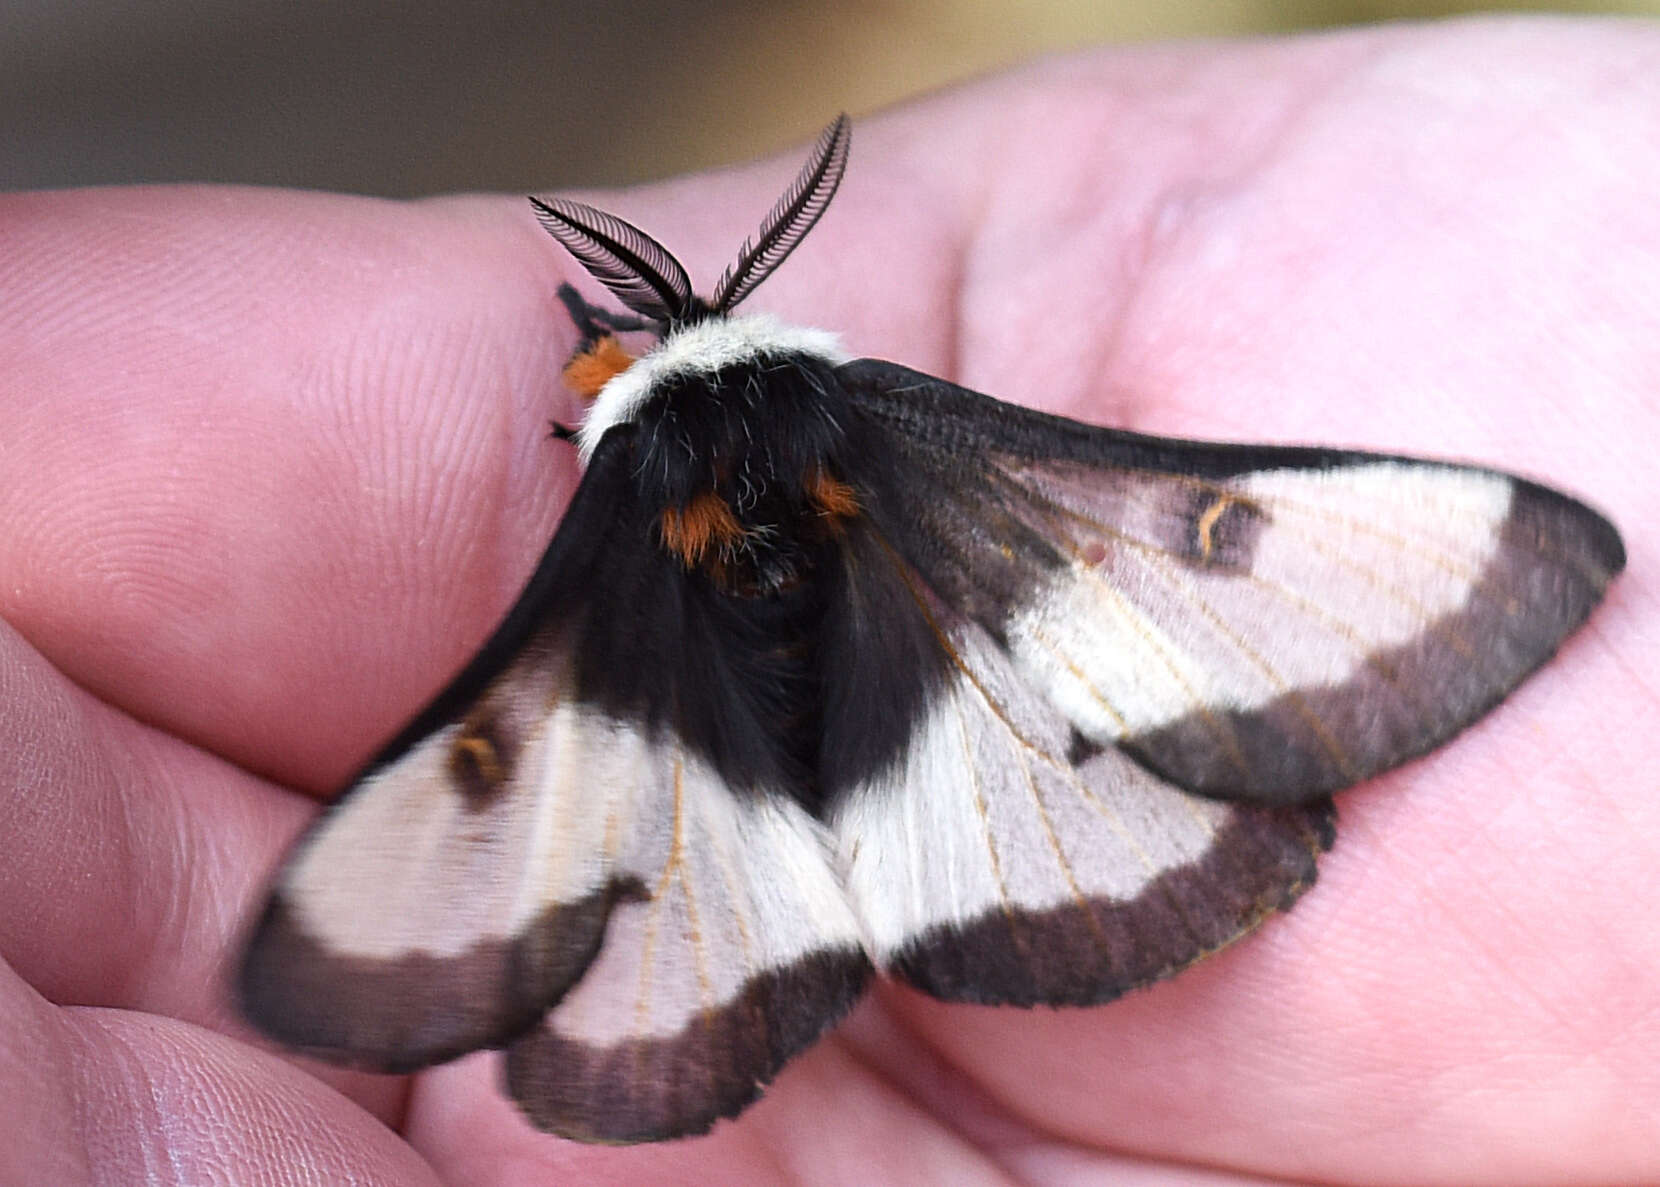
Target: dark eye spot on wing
1218	529
481	760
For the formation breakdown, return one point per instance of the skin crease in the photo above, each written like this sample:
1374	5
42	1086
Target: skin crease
272	463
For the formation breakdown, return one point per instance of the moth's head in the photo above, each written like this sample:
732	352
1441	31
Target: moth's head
696	337
642	274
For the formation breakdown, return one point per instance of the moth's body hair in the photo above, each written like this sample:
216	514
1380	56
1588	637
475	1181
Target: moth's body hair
701	350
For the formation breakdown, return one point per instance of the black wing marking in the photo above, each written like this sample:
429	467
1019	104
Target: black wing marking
634	266
540	846
1271	623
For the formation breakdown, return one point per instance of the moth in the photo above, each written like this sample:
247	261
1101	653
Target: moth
836	669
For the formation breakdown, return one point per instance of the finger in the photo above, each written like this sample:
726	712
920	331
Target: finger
133	860
252	428
124	849
106	1096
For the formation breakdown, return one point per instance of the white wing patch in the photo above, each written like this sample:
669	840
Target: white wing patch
1340	564
985	817
739	886
407	864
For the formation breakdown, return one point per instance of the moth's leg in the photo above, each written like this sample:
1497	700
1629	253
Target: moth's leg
618	322
593	322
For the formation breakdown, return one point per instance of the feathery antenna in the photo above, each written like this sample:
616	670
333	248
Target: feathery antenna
790	219
637	269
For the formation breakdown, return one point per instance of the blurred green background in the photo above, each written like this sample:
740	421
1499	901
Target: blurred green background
420	96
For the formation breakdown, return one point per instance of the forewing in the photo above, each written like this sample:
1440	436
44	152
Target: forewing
1265	623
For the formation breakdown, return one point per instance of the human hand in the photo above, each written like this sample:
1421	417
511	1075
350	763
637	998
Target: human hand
273	463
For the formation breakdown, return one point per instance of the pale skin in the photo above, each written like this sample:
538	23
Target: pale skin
272	463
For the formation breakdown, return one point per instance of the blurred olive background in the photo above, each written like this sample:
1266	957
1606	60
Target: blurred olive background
419	96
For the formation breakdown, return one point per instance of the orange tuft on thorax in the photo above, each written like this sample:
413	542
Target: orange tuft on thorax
704	525
831	497
591	369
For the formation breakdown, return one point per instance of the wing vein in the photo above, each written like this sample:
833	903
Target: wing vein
729	878
1220	626
659	891
986	835
1121	605
1059	656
